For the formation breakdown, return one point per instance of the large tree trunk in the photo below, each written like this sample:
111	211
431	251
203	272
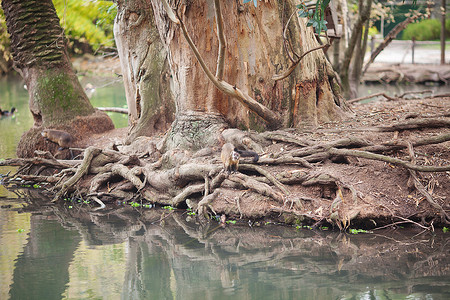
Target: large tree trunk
57	99
145	69
254	53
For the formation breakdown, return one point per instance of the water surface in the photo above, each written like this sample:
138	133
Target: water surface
108	92
126	253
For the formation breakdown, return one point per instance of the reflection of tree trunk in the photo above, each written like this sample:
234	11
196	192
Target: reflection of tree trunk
180	259
42	271
39	51
148	273
145	69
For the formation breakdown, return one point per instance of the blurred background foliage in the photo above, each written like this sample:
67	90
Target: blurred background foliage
5	54
426	30
88	25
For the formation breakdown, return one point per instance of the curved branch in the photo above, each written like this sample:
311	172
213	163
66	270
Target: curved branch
268	115
114	109
98	201
421	189
417	123
254	185
291	69
267	174
286	41
400	145
221	38
371	96
189	190
392	160
170	12
89	154
286	159
129	174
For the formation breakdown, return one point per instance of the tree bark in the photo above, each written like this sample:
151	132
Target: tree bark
56	97
145	69
253	54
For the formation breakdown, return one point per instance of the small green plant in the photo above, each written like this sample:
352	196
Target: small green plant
231	222
70	206
316	17
135	204
303	226
324	228
147	206
168	207
36	186
356	231
20	230
445	229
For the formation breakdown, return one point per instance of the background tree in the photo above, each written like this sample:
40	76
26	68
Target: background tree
88	25
57	99
355	49
145	68
6	61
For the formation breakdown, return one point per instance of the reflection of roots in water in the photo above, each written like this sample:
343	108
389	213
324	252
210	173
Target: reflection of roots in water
385	253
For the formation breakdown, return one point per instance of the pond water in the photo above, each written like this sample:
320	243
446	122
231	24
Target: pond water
57	252
69	251
109	92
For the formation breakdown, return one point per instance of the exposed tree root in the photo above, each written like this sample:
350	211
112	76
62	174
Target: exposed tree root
445	217
83	169
417	123
388	159
397	145
291	180
269	176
